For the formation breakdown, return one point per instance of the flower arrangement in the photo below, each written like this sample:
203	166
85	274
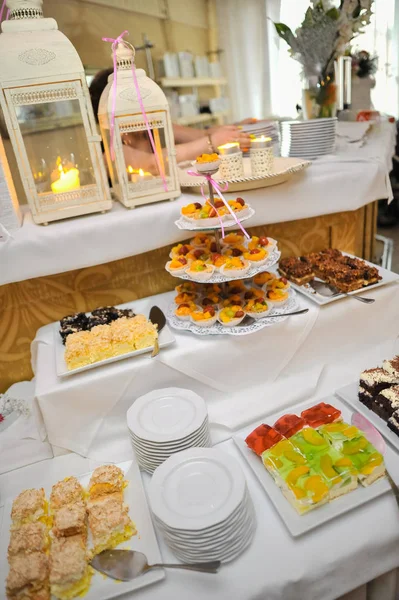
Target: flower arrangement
363	64
323	36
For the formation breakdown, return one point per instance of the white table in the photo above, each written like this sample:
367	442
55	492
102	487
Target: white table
343	181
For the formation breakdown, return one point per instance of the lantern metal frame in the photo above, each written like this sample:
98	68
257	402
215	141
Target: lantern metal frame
129	119
42	66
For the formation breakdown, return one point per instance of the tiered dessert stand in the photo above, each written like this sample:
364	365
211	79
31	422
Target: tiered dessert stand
221	279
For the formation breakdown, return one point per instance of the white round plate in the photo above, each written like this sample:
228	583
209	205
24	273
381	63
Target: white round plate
197	488
155	455
309	122
193	225
272	259
166	415
218	329
155	446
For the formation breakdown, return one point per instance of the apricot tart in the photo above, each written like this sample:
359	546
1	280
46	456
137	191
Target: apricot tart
261	242
257	308
257	255
207	162
264	278
233	239
177	266
184	310
180	250
231	316
202	240
277	296
279	283
235	267
200	271
186	286
205	317
185	297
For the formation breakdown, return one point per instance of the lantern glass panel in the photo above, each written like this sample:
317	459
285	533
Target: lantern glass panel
56	145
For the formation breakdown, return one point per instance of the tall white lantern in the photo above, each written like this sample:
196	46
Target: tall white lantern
47	113
139	175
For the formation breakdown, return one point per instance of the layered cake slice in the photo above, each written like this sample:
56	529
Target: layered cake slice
388	402
28	577
337	470
377	379
392	367
28	507
393	422
305	489
309	442
281	459
365	397
70	573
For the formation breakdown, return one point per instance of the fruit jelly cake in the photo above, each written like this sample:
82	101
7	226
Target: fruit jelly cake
365	397
369	463
393	422
288	425
309	442
305	489
320	414
262	438
337	433
392	366
377	379
389	400
281	458
337	470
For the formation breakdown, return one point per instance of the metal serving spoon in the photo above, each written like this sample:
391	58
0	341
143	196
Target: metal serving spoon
328	291
158	318
249	320
126	565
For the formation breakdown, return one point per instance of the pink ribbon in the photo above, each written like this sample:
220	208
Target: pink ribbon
115	42
372	434
2	11
218	189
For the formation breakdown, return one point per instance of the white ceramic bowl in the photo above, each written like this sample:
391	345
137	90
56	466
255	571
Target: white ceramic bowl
236	272
200	275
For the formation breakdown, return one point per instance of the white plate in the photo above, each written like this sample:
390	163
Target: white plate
299	524
104	588
165	338
196	488
155	446
349	393
196	225
159	457
166	415
306	290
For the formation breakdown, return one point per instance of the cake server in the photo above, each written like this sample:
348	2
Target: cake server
158	318
126	565
249	320
328	290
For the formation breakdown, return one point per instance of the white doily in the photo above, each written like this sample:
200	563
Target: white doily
196	224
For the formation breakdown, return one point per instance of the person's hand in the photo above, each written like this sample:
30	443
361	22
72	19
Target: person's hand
229	133
248	121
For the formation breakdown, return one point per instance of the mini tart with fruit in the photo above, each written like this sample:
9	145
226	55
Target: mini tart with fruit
205	317
280	283
238	250
199	254
277	296
257	308
202	240
177	266
234	299
211	288
235	267
253	294
261	242
238	205
185	297
200	271
180	250
263	278
211	300
186	286
236	287
207	162
231	315
233	239
192	210
256	255
218	260
184	310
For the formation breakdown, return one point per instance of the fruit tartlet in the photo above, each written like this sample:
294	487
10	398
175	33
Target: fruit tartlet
238	250
205	317
231	316
180	250
236	287
233	299
184	310
199	254
190	210
218	260
200	271
185	297
207	162
264	278
261	242
177	266
257	308
235	267
253	293
186	286
280	283
201	240
211	300
238	206
256	255
276	296
233	239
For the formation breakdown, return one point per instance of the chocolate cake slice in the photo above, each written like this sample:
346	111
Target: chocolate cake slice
392	366
393	422
377	379
388	400
365	397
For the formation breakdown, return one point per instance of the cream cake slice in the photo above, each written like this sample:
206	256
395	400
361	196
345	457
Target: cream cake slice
122	336
101	343
109	522
377	379
388	400
70	519
393	422
70	573
77	350
392	367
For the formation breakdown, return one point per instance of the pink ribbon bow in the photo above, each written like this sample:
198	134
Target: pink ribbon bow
115	42
218	189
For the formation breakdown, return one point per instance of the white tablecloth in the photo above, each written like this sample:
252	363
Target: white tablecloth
344	181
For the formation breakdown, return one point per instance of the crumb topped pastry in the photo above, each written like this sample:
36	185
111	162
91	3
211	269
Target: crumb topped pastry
69	571
109	521
70	519
64	492
29	506
106	479
77	350
31	537
28	574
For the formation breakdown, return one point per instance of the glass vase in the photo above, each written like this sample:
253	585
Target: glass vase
319	100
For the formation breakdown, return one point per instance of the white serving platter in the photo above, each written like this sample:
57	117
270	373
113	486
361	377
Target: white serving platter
300	524
104	588
165	338
283	169
349	394
306	290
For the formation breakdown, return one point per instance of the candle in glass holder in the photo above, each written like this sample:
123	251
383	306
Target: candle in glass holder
138	175
67	182
231	163
261	154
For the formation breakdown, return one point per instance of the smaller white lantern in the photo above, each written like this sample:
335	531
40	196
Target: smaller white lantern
231	165
138	174
262	157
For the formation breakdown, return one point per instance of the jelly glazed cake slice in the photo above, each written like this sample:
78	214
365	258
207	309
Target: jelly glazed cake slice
305	489
282	458
337	470
70	573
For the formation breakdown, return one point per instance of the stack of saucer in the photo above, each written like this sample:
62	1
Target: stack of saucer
308	139
201	504
267	129
164	422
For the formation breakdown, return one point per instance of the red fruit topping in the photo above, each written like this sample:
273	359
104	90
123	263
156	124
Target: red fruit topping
210	310
212	213
239	314
214	247
320	414
254	251
184	305
218	203
240	201
198	253
288	425
182	260
236	252
262	438
184	250
284	280
263	241
198	205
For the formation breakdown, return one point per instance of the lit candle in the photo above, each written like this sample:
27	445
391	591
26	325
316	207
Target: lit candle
262	142
68	181
230	148
138	175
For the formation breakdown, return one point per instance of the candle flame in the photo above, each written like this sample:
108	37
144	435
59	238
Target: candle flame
229	145
141	172
130	169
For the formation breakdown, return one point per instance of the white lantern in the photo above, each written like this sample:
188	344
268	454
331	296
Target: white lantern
139	176
47	112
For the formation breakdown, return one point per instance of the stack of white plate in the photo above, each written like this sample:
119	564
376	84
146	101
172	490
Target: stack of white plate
164	422
266	128
201	504
308	139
